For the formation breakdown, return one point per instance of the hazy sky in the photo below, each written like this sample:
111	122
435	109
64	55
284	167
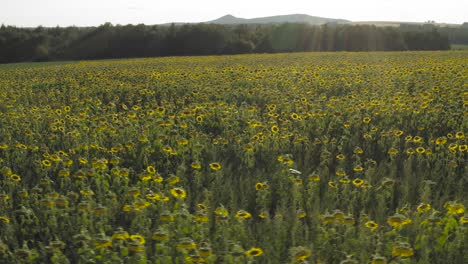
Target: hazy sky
96	12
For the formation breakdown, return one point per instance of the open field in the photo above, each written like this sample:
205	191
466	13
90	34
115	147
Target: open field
458	47
286	158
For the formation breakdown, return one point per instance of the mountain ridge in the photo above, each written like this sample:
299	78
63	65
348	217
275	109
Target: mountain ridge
292	18
304	19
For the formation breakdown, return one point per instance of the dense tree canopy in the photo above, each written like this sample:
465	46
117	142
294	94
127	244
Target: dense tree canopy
108	41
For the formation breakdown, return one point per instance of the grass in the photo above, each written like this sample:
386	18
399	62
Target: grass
458	47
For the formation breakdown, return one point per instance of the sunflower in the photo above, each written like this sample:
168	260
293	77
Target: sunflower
423	207
120	234
135	247
348	220
172	180
141	204
201	217
124	172
186	243
87	192
340	172
196	165
420	150
103	242
327	219
202	207
182	142
215	166
261	186
297	181
372	225
295	116
254	252
358	150
167	149
340	157
263	215
358	168
163	198
157	178
15	177
460	135
194	258
132	114
3	146
138	239
178	193
314	177
205	250
345	180
248	148
300	254
134	192
166	217
398	133
402	251
161	110
398	220
366	120
242	214
463	147
221	211
62	202
358	182
441	140
464	220
455	208
152	196
151	170
453	147
392	151
379	260
145	177
410	151
4	219
160	235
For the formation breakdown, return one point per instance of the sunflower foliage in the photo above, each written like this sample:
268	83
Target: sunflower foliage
285	158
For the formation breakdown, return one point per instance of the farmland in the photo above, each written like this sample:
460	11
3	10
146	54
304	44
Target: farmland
284	158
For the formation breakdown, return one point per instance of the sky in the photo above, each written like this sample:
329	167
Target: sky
51	13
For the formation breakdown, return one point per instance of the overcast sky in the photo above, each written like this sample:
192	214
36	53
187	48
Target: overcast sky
48	13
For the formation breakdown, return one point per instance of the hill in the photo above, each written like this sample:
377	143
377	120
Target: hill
294	18
401	23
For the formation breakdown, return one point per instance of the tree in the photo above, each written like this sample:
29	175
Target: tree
109	41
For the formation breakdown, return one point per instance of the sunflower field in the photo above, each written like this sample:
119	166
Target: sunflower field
285	158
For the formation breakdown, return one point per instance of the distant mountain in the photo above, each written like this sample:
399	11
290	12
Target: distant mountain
295	18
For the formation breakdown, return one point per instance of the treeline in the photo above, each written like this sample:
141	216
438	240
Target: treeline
457	35
108	41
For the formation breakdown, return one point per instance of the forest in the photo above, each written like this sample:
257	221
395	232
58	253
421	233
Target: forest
109	41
